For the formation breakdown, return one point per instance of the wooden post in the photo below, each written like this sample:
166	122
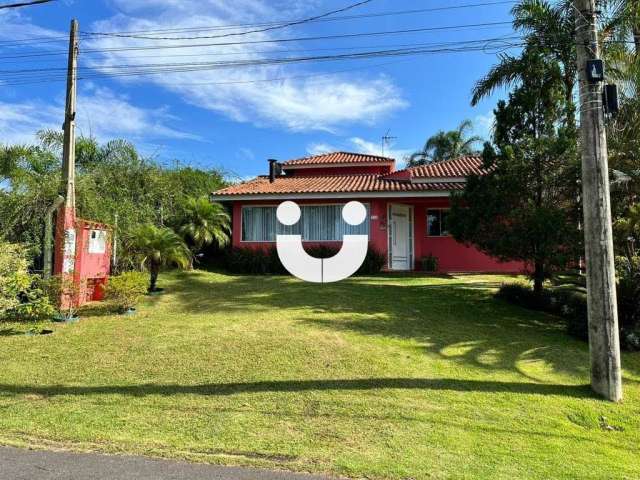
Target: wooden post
65	248
69	145
604	343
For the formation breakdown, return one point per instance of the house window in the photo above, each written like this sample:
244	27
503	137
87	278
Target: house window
97	241
318	223
437	225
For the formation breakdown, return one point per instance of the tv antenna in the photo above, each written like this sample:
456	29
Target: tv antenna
386	140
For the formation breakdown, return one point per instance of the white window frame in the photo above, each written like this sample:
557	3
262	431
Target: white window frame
302	205
440	210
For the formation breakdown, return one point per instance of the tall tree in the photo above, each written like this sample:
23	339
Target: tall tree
548	30
524	207
446	145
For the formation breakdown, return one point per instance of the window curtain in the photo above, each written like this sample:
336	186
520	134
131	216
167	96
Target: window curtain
317	223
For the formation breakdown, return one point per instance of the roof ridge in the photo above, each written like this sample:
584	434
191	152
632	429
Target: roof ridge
336	153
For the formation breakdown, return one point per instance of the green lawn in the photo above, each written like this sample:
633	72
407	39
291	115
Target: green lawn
372	377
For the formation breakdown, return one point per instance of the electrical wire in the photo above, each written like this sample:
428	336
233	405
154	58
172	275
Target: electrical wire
163	69
25	4
259	30
276	40
135	33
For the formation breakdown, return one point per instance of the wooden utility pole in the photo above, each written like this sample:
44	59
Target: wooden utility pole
69	146
65	244
604	343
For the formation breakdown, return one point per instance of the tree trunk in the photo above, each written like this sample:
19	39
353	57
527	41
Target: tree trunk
155	271
538	278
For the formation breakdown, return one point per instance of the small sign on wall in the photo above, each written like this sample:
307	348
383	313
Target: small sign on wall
97	241
69	251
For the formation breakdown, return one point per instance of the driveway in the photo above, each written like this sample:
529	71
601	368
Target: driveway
18	464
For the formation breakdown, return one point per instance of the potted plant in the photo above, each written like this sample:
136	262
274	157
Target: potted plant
125	291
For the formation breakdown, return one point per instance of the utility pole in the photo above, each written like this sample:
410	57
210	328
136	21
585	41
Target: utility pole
69	146
604	342
65	245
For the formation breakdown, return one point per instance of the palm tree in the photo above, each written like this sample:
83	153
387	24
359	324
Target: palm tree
446	145
549	31
204	223
159	246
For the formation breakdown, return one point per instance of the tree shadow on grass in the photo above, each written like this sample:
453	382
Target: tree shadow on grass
456	319
289	386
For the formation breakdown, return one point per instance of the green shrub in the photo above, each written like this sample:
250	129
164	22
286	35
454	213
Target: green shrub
572	307
373	263
265	261
429	263
126	290
58	287
35	303
14	277
22	295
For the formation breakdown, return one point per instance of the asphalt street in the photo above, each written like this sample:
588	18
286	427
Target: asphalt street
19	464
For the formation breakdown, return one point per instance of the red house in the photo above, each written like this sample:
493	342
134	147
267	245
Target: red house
407	209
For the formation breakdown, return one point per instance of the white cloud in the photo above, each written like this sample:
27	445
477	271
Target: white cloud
20	121
297	101
373	148
101	113
484	125
358	145
320	148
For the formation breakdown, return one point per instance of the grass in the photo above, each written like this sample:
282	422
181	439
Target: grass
381	377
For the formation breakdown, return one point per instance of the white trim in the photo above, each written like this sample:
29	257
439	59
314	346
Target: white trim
320	196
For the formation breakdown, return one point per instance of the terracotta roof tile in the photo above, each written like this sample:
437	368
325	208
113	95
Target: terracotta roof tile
457	167
337	158
332	184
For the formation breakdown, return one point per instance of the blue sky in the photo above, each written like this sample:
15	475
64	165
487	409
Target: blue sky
232	118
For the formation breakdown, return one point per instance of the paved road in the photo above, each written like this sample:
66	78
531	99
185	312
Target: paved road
18	464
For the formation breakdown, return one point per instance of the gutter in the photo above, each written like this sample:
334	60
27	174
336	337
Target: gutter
48	235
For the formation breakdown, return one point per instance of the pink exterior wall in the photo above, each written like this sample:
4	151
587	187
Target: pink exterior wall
90	270
452	256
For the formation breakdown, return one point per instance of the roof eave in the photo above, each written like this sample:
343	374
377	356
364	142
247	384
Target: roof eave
326	195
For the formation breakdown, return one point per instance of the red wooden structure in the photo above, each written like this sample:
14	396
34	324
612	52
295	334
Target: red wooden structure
82	256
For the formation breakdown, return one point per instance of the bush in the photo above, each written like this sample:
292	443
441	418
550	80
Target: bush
57	287
14	277
572	307
568	304
429	263
126	290
35	303
265	261
22	296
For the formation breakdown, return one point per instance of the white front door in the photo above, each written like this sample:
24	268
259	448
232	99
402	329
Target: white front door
400	238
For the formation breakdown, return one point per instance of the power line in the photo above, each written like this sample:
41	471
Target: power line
281	24
486	43
276	40
25	4
260	30
156	69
